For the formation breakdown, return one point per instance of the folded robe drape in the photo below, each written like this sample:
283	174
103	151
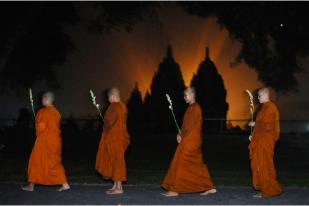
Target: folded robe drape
110	160
45	165
261	150
187	172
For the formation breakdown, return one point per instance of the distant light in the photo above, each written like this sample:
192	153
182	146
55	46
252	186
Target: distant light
281	25
307	127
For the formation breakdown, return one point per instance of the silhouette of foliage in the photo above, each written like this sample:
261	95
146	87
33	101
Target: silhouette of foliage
273	36
113	16
32	42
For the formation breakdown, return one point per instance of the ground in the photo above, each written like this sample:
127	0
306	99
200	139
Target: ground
144	194
148	159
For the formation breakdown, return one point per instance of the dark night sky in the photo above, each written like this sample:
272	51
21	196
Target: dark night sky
120	59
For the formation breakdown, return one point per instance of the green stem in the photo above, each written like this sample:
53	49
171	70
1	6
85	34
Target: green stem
177	126
100	114
33	110
251	128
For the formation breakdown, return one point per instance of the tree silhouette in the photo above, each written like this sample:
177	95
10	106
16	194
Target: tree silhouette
32	42
210	93
273	36
113	16
168	79
135	111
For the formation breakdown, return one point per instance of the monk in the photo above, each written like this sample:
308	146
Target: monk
110	161
45	166
187	172
261	148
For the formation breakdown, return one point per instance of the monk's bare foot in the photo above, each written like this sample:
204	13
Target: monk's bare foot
212	191
170	194
113	188
28	188
258	195
114	192
64	188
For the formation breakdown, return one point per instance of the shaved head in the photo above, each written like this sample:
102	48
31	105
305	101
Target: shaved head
189	95
264	95
264	90
48	98
114	95
190	90
114	91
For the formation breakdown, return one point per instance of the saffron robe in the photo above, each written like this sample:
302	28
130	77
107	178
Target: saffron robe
110	160
261	150
45	165
187	172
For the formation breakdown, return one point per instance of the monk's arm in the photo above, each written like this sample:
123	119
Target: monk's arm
188	126
111	120
267	122
40	122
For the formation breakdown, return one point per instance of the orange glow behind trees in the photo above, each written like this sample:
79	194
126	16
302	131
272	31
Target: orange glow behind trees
123	58
189	51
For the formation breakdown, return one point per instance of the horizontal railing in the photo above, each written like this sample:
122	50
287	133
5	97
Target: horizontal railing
223	126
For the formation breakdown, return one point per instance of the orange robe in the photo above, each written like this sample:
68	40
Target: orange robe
265	135
110	161
187	172
45	160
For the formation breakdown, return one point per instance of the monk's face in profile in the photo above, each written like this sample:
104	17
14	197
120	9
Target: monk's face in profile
114	95
111	98
44	101
47	99
263	96
189	96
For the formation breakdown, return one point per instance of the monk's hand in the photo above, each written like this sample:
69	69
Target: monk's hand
179	138
250	138
251	124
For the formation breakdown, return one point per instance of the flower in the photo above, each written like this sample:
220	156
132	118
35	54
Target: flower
171	108
30	94
31	101
251	108
169	99
93	97
251	100
249	93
